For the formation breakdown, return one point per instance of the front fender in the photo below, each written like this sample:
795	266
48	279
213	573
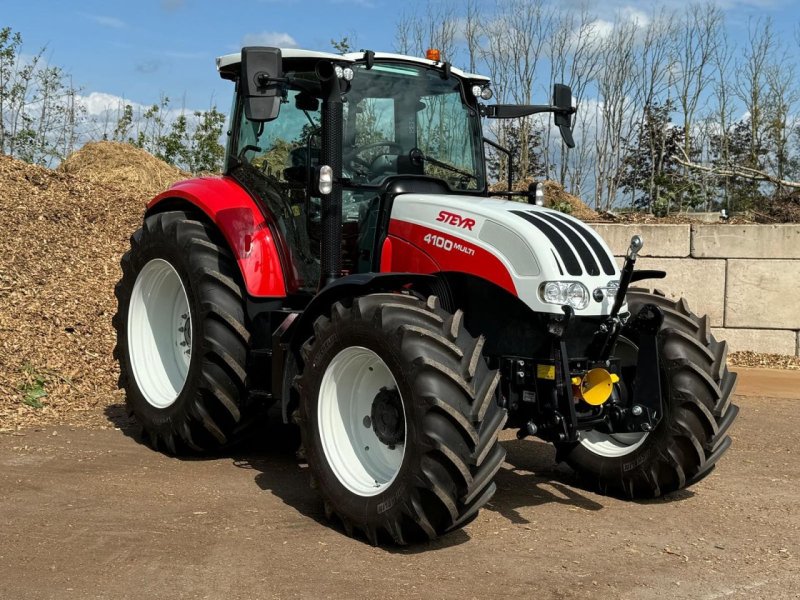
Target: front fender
250	235
350	287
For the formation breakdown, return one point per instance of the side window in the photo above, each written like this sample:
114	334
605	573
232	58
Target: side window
279	147
444	132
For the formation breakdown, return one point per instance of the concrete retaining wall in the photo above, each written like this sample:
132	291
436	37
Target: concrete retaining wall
745	277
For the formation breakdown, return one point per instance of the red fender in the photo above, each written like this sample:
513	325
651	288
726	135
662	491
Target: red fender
252	237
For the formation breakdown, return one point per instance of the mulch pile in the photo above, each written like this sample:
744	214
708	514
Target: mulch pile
122	167
764	361
554	195
63	233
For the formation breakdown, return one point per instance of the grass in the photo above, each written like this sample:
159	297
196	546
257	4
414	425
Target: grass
32	388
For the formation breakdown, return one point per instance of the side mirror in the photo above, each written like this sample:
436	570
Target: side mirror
562	116
261	83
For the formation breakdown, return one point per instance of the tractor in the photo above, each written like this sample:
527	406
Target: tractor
350	270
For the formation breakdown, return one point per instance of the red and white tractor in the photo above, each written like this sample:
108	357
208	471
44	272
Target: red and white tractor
350	266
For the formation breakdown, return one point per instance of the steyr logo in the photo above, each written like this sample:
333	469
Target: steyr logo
457	220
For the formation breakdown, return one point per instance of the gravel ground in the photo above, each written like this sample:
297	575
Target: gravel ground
93	514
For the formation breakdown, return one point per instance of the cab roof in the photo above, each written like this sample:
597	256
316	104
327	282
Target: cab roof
228	64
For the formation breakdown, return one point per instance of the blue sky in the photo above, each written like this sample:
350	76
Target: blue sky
138	50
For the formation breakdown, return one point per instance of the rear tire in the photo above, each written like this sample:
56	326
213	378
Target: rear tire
692	435
180	302
425	477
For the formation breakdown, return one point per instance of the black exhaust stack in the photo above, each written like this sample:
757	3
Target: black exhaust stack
331	155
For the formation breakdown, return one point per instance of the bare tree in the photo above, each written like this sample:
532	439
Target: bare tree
724	109
529	23
436	28
697	43
574	61
615	84
752	85
472	32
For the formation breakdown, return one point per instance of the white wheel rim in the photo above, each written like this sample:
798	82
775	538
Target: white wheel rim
360	460
614	445
159	333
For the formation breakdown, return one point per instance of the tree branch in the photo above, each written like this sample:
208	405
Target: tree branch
739	171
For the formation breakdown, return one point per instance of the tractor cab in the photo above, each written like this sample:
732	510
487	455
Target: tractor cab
404	121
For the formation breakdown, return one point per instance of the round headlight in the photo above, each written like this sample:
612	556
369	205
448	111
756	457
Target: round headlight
578	296
476	91
486	93
553	293
339	71
348	74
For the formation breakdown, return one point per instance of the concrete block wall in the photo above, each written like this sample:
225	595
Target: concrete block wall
745	277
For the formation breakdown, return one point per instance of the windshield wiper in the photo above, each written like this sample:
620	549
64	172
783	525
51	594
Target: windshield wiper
418	157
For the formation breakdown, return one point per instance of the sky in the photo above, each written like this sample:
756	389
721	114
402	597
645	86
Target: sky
139	50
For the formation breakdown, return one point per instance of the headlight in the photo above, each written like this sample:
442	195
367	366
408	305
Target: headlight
565	292
578	295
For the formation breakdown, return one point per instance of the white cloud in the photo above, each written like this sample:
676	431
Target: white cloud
104	110
106	21
277	39
100	103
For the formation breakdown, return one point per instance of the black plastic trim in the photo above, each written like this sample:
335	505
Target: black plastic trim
571	262
602	255
588	259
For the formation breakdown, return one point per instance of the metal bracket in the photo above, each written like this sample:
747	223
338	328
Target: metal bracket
647	399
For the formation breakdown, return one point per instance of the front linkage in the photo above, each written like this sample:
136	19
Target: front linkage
565	395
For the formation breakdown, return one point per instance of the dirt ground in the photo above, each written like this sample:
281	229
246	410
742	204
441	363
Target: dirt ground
90	513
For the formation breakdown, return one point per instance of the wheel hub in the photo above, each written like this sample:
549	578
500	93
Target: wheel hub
387	417
185	331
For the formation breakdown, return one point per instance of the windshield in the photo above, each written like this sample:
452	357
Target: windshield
403	119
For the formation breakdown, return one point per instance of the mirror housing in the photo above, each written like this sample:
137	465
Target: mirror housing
260	83
562	116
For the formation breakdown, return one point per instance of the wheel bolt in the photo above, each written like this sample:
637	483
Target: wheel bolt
367	422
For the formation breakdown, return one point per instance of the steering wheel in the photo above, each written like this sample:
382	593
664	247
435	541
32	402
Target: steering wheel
353	156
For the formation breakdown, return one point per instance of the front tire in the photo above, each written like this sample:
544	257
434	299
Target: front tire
399	417
182	343
692	435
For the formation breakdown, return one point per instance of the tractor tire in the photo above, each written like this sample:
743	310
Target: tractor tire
182	343
693	433
399	418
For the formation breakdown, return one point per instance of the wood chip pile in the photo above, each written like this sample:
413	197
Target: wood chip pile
554	195
62	234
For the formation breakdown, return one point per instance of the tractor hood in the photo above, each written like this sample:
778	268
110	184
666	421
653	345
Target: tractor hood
532	244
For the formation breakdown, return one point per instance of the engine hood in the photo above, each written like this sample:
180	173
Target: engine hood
534	244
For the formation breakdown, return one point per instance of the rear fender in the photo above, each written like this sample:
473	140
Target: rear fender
250	235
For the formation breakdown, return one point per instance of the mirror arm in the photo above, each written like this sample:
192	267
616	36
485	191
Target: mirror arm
513	111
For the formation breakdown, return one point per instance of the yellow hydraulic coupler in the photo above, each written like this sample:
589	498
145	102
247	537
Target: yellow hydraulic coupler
594	387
